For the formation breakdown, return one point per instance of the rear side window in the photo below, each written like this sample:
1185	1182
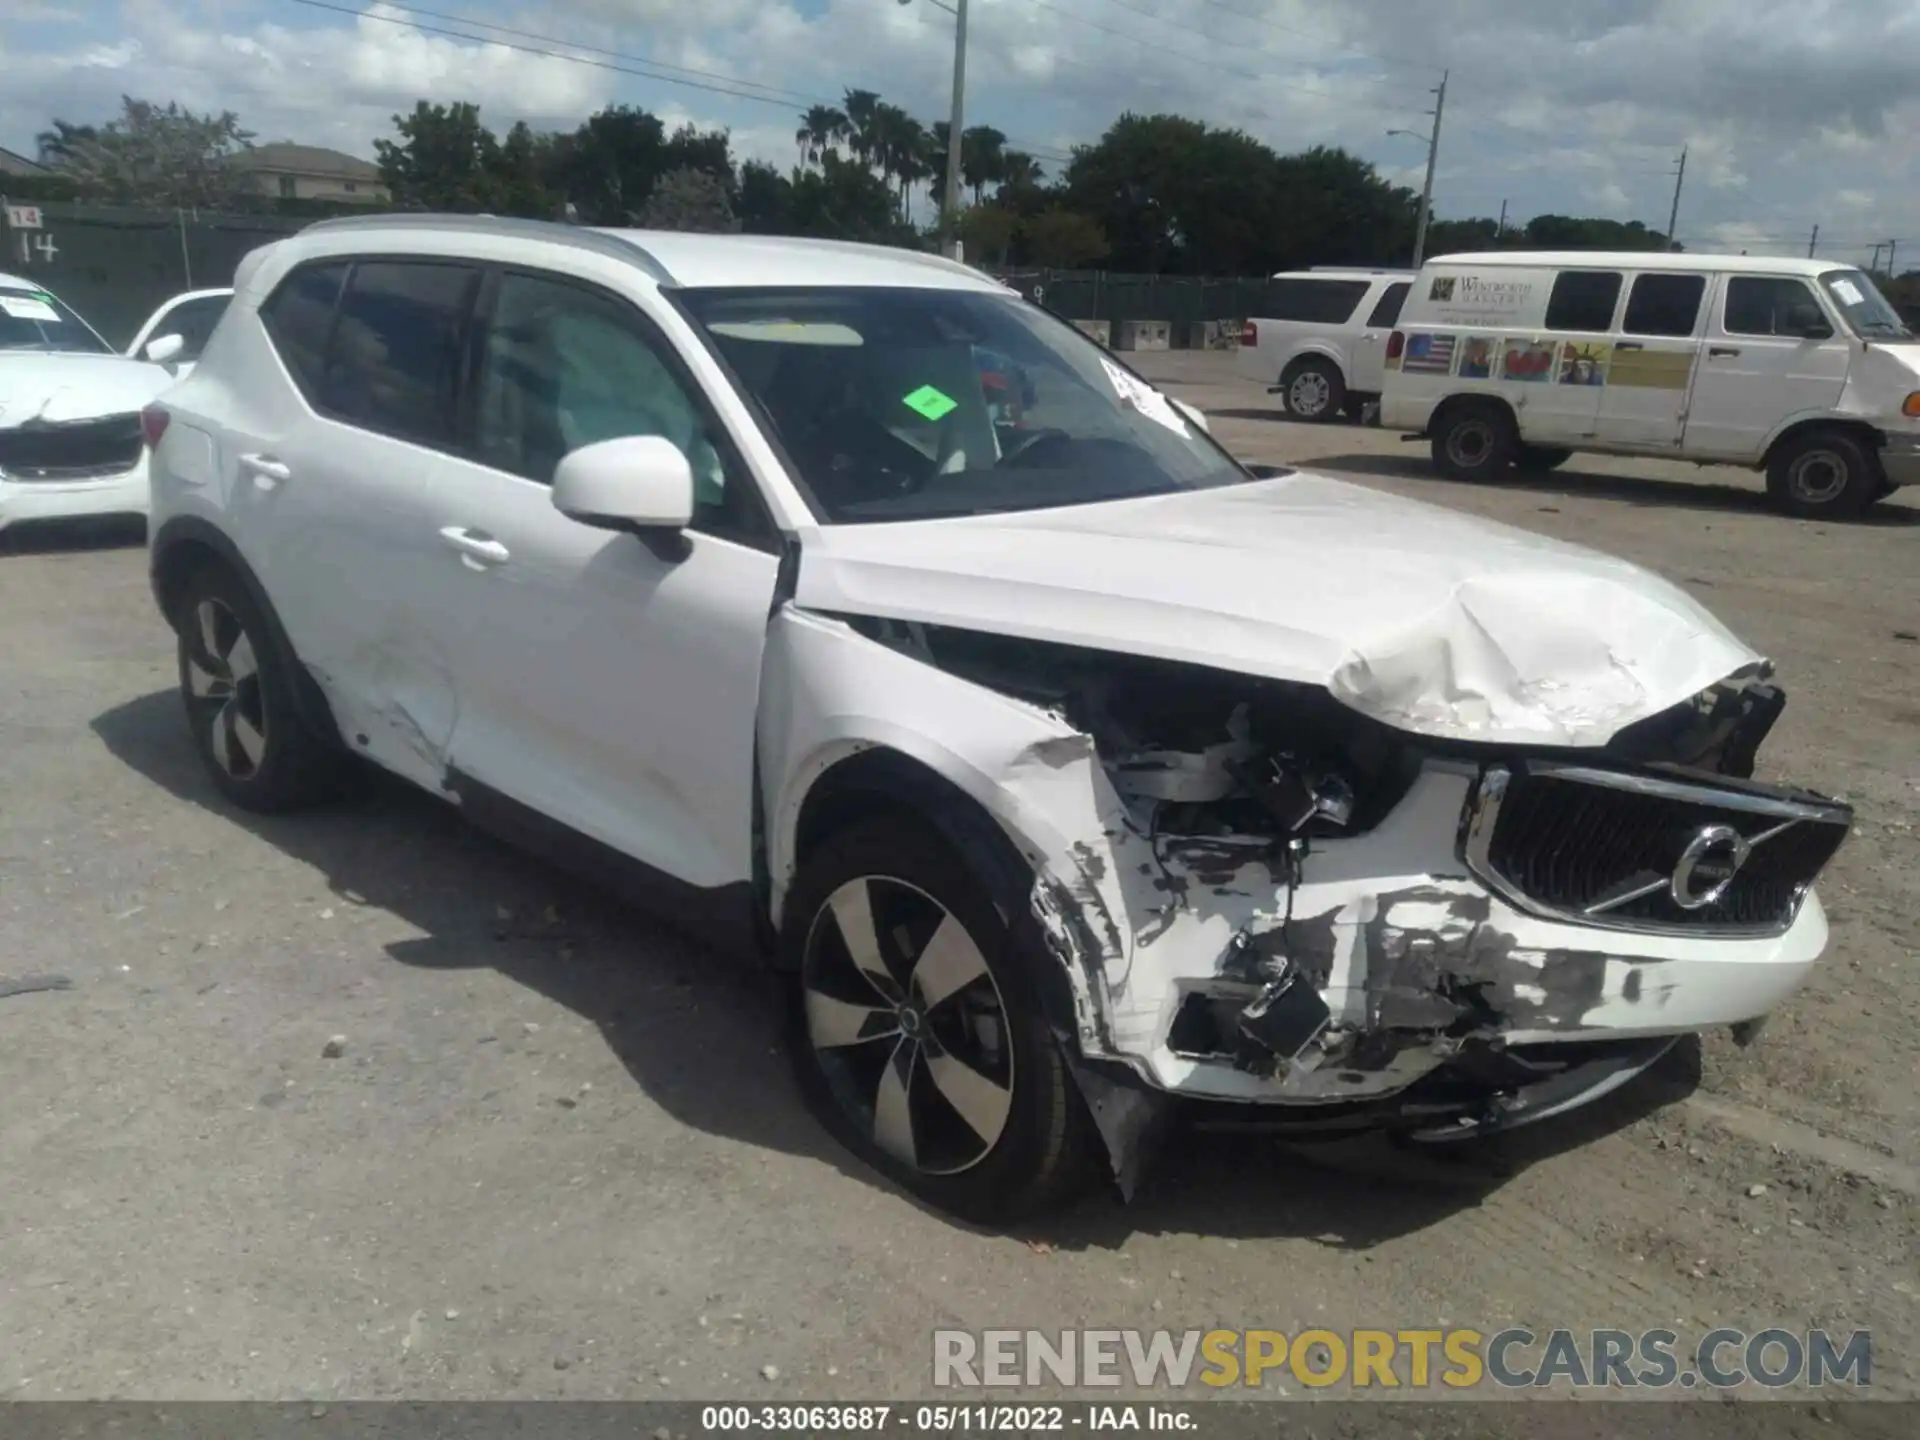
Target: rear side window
299	316
1387	311
1664	304
193	322
1758	304
393	360
1318	302
1583	300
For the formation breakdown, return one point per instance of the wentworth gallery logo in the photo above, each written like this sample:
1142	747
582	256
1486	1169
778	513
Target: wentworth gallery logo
1442	288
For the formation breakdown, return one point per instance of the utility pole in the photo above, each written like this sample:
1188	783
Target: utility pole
1892	245
1500	229
956	122
1426	191
1813	241
1673	215
1873	265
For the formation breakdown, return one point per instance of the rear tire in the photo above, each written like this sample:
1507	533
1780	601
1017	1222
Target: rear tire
1825	474
1538	459
942	1073
1313	391
1475	442
237	683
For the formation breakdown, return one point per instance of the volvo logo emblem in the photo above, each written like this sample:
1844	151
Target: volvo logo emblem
1708	865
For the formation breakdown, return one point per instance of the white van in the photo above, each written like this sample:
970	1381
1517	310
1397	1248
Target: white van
1799	368
1324	346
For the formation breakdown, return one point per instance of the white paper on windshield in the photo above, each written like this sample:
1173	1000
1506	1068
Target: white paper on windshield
1848	292
22	309
1144	398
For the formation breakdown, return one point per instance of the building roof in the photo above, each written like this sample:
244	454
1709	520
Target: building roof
15	164
304	160
1639	260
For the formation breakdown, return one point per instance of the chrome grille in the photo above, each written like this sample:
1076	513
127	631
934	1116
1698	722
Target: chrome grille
1638	851
71	449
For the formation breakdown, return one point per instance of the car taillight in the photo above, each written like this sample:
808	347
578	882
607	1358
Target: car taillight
1396	342
153	424
1249	333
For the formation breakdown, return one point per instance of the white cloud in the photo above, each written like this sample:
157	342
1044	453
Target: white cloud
1790	112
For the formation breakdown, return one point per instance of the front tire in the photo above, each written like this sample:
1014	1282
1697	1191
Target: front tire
236	682
1475	443
918	1029
1825	474
1313	391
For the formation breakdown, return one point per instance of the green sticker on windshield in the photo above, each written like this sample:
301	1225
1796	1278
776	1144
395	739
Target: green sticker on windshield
930	402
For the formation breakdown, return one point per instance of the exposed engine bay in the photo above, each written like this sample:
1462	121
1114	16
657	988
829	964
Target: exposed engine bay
1305	920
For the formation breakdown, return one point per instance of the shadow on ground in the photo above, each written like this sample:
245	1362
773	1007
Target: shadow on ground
701	1034
1630	489
54	537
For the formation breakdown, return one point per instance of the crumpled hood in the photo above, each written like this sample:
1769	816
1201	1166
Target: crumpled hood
56	386
1432	621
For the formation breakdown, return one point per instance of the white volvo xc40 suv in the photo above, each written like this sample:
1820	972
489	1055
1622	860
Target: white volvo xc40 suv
1069	773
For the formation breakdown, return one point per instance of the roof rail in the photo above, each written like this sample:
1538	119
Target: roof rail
604	242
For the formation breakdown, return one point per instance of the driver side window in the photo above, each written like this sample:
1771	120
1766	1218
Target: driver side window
562	366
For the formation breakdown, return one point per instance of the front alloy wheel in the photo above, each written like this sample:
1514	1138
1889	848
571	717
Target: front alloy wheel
918	1025
907	1025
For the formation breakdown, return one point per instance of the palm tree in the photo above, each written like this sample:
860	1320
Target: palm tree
821	129
860	108
983	153
1018	170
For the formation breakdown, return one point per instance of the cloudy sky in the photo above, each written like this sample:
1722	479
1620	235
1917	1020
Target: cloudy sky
1792	113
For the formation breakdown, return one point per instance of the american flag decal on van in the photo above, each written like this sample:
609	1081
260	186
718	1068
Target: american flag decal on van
1428	355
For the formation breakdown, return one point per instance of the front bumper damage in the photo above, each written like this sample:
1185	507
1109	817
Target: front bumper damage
1342	933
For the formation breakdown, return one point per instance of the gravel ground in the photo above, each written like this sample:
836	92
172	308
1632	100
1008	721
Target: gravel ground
558	1154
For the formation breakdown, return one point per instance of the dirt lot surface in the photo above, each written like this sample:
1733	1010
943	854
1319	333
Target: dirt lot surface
560	1155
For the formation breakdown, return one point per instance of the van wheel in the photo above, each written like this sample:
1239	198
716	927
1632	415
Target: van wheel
918	1030
1313	391
1475	442
1538	459
1824	474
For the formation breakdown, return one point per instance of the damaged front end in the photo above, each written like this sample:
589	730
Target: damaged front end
1267	899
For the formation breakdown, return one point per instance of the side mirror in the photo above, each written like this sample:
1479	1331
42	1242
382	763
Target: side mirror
163	348
639	484
1193	413
1807	322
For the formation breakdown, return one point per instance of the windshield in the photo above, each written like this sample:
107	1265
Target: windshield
32	319
899	404
1860	300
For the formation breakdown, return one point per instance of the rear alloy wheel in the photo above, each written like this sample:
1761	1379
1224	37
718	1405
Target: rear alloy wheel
1825	474
918	1029
1475	443
1313	391
238	691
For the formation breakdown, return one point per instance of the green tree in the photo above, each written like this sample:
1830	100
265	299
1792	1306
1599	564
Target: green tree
988	232
766	198
608	166
1064	239
844	200
153	155
822	130
445	159
689	199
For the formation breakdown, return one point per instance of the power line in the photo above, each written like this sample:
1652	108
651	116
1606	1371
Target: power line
1160	19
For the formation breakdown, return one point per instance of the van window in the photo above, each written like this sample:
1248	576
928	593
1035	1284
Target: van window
1583	300
1758	304
1664	304
1387	312
1318	302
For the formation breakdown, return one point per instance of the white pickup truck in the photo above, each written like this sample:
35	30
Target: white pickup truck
1323	350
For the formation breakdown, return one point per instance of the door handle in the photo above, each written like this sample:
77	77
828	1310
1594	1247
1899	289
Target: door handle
1717	352
1628	345
475	545
267	472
